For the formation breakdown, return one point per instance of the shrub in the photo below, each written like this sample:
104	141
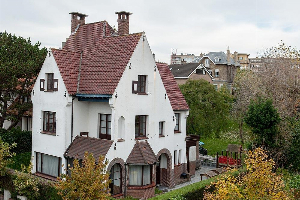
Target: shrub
16	135
5	156
259	182
91	181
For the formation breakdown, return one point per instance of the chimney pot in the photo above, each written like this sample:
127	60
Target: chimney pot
123	22
77	19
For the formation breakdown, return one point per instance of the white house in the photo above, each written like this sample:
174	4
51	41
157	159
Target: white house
104	93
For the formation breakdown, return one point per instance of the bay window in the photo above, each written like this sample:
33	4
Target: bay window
139	175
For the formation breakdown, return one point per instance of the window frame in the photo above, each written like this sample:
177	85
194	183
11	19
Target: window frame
51	83
46	115
161	129
37	154
177	120
142	175
107	128
140	86
217	72
139	123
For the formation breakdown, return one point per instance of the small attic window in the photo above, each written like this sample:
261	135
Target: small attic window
217	59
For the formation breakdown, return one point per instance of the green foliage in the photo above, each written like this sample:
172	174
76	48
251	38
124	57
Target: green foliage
209	109
16	135
214	145
5	156
19	160
20	63
91	174
293	154
26	184
263	119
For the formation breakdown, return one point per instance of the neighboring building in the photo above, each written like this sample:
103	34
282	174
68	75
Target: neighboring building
216	67
182	58
256	64
104	93
243	59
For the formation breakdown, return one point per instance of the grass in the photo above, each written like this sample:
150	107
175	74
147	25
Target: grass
214	145
19	159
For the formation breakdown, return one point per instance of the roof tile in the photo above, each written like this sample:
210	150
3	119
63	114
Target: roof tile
141	153
174	94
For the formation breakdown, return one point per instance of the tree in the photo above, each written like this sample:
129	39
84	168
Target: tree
5	156
20	63
259	181
91	181
263	119
209	109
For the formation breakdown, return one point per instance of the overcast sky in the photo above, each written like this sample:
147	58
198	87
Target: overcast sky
188	26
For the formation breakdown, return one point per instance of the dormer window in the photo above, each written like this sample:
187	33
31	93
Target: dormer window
139	87
51	83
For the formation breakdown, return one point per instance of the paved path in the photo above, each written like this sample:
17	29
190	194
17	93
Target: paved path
196	178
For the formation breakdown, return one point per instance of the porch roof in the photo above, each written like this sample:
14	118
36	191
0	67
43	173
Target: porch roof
81	144
141	153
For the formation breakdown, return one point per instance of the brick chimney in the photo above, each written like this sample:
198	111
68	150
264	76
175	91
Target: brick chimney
123	22
77	19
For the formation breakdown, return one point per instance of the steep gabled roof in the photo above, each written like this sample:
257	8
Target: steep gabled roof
174	94
219	58
81	144
183	70
102	59
141	153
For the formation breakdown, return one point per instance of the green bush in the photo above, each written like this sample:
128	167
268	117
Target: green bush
19	159
16	135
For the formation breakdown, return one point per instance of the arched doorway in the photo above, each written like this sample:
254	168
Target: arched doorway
163	170
116	179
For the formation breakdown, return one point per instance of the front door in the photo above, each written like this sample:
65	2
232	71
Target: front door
116	181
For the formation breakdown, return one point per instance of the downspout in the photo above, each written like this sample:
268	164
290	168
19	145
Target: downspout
72	121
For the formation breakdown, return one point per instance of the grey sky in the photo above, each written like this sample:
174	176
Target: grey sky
188	26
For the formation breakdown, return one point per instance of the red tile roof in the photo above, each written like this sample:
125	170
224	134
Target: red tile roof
141	153
174	94
104	58
92	145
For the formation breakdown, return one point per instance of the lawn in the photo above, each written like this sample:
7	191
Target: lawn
214	145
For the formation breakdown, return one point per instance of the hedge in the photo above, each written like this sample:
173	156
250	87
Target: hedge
16	135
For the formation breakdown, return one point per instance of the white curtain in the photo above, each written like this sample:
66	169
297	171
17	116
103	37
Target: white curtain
146	175
135	175
50	165
39	162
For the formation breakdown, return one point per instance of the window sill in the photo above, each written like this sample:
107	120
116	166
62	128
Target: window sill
177	131
142	94
142	187
161	136
141	138
45	176
121	140
48	133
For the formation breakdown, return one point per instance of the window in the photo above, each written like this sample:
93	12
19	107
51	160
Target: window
139	87
49	165
51	83
49	120
175	158
140	126
179	157
200	71
206	62
217	73
161	129
105	126
241	58
177	126
139	175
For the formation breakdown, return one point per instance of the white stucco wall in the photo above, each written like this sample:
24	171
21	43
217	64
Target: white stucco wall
154	105
56	101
